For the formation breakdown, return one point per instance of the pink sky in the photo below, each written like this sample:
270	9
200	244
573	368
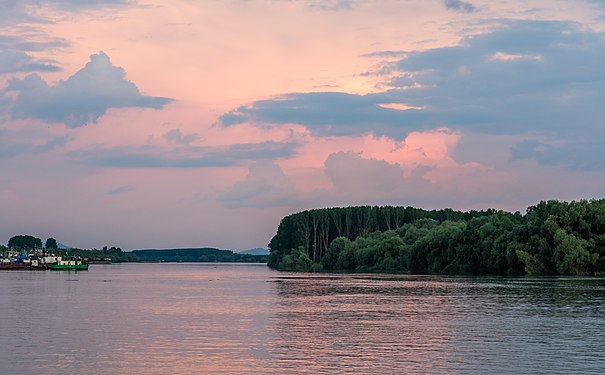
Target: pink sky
184	123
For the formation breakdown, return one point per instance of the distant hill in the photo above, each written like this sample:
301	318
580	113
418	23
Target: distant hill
257	251
203	254
63	246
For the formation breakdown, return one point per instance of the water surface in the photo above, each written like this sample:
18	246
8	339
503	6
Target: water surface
237	318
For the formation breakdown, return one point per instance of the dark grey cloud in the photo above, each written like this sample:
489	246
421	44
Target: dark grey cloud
528	76
459	5
524	77
184	157
82	98
329	113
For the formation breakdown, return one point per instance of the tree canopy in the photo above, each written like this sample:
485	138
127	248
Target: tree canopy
552	238
51	243
196	255
25	242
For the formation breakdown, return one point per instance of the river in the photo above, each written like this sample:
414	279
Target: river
248	319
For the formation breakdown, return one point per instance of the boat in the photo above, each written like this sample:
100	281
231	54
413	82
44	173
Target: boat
69	263
13	266
20	262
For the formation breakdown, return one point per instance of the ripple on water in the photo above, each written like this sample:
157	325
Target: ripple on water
191	318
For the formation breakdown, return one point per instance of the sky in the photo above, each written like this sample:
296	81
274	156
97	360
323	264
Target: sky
182	123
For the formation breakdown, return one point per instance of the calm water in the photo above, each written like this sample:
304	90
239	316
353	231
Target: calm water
232	319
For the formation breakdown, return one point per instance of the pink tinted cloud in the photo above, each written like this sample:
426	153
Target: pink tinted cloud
376	169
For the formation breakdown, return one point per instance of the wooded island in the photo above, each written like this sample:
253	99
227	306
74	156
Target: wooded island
552	238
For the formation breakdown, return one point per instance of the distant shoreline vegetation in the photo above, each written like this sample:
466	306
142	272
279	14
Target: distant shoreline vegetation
28	244
204	255
552	238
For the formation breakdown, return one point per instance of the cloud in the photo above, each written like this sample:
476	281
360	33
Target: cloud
587	155
78	4
184	157
379	170
385	54
177	136
333	5
31	43
148	157
459	5
15	56
266	185
11	145
352	174
120	190
353	179
15	12
521	79
262	150
527	76
82	98
329	113
12	61
364	180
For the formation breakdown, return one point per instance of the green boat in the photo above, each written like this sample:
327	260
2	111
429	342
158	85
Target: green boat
69	263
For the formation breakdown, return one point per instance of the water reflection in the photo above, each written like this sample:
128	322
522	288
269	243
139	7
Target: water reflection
402	324
241	319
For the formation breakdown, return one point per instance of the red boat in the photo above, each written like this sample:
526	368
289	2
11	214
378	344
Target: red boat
13	266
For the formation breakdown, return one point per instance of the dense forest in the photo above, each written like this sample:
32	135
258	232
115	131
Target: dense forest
197	255
552	238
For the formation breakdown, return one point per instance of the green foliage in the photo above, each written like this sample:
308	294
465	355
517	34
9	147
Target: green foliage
552	238
51	243
25	242
115	254
315	230
297	260
572	254
331	256
346	259
206	255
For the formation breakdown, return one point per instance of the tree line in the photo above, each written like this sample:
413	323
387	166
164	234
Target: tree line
206	255
552	238
27	243
116	255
